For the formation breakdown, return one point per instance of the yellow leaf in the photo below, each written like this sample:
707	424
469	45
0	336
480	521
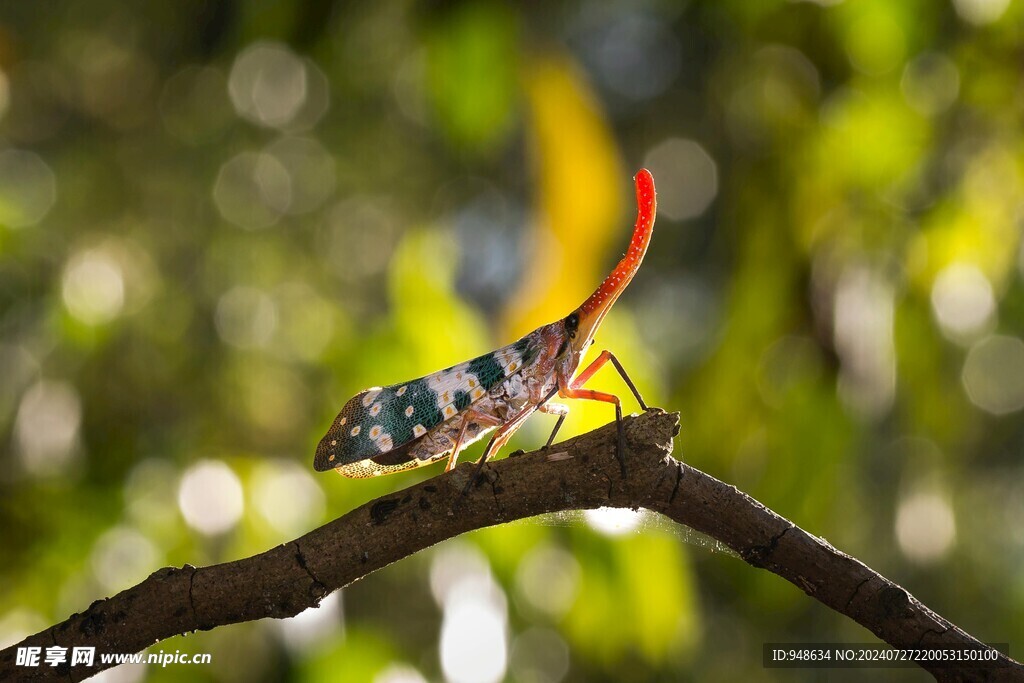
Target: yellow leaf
579	200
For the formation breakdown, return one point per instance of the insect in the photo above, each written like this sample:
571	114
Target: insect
390	429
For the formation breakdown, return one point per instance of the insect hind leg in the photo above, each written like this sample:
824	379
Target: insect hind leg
482	419
499	439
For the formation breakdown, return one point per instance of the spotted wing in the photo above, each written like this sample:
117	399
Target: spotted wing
374	431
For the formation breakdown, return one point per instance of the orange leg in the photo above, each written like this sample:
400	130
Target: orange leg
599	363
592	395
471	415
575	390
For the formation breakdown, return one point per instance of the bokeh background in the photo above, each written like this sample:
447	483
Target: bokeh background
220	220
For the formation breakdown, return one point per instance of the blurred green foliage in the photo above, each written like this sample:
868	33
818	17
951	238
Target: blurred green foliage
220	220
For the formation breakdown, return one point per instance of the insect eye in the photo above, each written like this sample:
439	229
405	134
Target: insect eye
571	323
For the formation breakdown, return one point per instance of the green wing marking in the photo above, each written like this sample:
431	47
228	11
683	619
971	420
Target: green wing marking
376	428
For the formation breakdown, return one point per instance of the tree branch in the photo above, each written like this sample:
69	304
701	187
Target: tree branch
581	473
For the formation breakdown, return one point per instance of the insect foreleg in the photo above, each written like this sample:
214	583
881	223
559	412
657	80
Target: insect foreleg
599	363
591	395
482	419
559	409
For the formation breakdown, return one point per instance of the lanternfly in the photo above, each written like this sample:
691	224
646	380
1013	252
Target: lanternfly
390	429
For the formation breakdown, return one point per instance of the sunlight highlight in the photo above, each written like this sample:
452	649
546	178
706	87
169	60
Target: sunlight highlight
210	497
47	426
267	84
287	497
863	329
687	178
253	190
28	188
122	557
993	374
474	629
963	301
93	286
548	578
313	626
474	633
925	527
246	317
613	521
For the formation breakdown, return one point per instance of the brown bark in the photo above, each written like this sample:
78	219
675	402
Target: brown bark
579	474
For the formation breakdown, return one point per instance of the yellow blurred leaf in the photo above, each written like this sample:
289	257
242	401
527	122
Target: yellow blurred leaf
579	201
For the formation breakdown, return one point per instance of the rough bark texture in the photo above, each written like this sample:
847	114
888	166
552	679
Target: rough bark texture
578	474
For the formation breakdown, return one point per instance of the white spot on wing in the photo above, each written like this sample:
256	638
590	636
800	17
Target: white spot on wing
446	383
508	357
